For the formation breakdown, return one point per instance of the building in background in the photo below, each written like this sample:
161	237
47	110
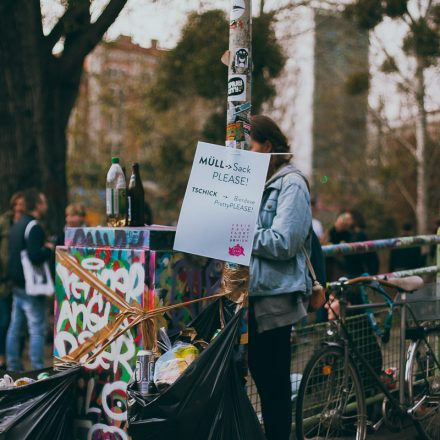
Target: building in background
110	112
320	101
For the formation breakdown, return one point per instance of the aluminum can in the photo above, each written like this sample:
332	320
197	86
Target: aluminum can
144	374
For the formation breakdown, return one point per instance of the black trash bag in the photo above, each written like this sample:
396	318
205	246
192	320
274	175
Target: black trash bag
208	402
43	410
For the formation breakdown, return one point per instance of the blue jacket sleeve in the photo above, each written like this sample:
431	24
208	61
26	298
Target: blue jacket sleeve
290	226
37	252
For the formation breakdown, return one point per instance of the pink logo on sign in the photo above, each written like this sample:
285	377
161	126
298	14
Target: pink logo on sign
236	251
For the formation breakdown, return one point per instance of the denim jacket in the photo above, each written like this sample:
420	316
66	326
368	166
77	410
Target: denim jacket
278	264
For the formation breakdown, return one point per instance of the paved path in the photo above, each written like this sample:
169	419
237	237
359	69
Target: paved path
410	433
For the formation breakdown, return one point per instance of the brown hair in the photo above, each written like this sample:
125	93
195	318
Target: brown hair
76	209
31	197
13	200
264	129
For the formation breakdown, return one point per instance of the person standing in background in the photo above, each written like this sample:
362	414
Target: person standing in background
75	215
357	264
75	218
13	215
350	227
25	308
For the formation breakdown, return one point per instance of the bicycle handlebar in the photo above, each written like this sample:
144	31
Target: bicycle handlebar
407	284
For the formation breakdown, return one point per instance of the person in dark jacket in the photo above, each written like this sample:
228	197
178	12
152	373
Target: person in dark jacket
6	221
350	227
280	284
25	308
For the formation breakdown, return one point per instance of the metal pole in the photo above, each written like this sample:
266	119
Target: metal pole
402	360
239	75
239	61
438	263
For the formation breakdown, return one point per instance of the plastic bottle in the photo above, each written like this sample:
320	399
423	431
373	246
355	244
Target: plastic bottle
116	195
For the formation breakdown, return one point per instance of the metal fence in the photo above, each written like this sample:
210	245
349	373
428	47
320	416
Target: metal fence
306	339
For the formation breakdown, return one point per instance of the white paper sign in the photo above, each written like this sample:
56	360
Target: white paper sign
222	200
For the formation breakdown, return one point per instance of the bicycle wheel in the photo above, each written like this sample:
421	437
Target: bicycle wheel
423	378
331	402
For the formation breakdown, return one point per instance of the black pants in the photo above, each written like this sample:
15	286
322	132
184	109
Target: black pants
269	363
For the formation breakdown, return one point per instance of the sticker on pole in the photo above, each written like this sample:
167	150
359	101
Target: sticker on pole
220	210
237	88
238	8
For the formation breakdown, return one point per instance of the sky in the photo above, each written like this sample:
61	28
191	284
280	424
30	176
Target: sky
162	20
145	20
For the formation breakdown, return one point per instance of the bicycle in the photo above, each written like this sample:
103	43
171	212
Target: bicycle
331	399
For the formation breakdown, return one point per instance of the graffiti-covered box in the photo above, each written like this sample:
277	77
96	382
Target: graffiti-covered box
139	265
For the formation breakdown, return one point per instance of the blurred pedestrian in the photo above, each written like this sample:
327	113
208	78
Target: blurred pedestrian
75	215
7	219
75	218
368	262
338	233
26	308
279	278
350	227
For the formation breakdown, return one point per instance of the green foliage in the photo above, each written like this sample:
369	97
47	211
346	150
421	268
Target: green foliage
357	83
422	40
436	14
189	96
395	8
389	65
268	60
367	13
193	67
214	128
380	222
423	37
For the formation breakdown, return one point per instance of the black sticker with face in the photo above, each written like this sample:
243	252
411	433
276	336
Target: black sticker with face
235	86
241	59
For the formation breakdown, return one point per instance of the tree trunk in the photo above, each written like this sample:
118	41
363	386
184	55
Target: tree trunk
35	104
421	137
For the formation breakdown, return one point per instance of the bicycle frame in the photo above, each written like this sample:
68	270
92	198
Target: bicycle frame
347	344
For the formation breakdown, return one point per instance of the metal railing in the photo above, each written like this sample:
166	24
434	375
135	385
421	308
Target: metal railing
307	339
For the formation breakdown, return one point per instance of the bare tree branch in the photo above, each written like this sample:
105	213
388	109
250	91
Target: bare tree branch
406	195
84	42
59	29
387	54
402	141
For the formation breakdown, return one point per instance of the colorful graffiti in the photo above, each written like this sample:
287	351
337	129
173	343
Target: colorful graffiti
177	277
375	245
153	237
80	311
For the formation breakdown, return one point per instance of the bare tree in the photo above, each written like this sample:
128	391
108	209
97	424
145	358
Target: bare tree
421	45
38	90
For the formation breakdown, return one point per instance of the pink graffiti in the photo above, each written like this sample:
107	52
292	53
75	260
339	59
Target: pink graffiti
236	251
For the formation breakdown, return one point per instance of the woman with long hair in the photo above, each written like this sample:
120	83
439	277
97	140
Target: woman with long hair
279	280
